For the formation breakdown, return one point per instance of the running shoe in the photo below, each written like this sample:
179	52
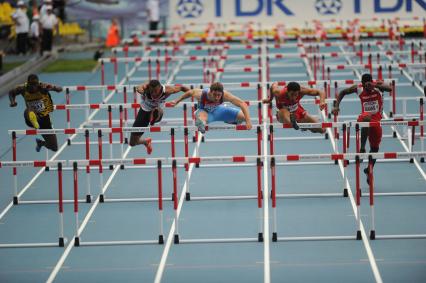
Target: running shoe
148	145
33	119
200	125
367	174
39	145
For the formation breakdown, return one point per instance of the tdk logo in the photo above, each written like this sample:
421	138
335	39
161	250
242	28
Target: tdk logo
274	8
243	11
388	6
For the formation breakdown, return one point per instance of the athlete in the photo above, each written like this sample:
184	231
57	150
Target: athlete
371	111
154	95
290	111
211	108
38	106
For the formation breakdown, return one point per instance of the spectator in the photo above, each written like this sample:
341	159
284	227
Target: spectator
43	9
113	36
48	23
22	27
35	34
153	9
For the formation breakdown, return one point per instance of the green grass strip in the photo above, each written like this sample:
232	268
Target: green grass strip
11	65
82	65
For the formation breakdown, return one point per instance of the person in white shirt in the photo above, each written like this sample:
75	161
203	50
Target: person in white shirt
43	9
153	9
22	27
48	24
35	33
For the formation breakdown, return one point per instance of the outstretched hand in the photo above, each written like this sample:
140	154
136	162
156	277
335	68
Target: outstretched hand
173	103
322	105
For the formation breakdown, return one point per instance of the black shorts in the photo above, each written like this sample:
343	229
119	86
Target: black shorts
142	120
44	121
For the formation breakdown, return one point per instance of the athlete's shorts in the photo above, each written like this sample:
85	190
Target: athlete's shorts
43	121
222	113
299	114
146	118
375	135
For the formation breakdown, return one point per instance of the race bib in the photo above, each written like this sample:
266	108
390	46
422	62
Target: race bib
37	106
292	108
371	106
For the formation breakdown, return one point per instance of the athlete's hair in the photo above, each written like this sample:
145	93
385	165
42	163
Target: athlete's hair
216	86
32	79
366	78
153	84
293	86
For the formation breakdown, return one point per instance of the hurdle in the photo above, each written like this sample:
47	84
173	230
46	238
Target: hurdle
40	164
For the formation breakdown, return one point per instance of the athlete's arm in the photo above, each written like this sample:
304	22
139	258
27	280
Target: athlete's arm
315	92
273	91
196	93
50	87
13	93
227	96
380	85
171	89
141	88
342	93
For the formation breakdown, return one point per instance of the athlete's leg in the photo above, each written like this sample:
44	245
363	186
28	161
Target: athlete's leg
284	116
201	119
142	120
31	119
374	139
156	115
365	131
50	141
310	119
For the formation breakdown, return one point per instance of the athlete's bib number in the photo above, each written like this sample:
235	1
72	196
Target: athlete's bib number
37	106
293	107
371	106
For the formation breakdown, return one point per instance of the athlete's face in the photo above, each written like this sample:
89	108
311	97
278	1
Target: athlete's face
215	95
156	92
368	85
292	95
33	86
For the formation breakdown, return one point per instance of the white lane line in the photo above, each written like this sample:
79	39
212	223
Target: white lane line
170	237
266	235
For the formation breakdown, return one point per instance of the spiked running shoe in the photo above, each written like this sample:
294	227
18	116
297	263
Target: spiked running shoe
200	125
148	145
39	145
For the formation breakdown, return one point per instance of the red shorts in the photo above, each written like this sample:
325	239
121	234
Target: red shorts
299	114
375	135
